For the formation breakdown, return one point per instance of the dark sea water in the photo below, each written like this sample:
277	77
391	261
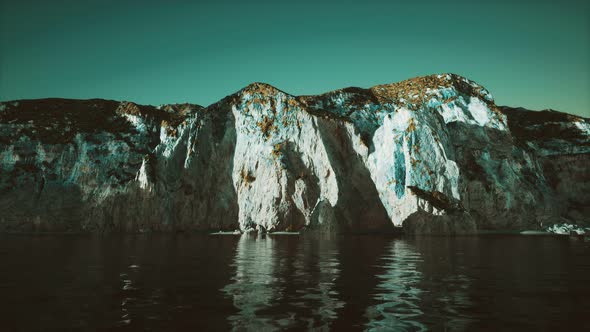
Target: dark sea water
290	282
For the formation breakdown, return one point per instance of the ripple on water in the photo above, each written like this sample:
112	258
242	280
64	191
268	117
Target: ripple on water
302	285
398	293
181	283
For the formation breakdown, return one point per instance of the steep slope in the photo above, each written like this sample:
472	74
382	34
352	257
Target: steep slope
434	154
560	143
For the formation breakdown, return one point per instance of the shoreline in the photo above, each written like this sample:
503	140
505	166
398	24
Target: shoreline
300	233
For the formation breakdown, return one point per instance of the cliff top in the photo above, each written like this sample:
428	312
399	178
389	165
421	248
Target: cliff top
41	117
90	113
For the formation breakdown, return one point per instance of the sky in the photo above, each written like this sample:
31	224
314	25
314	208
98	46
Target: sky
534	54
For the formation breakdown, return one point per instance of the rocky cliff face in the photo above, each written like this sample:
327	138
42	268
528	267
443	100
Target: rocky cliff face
432	154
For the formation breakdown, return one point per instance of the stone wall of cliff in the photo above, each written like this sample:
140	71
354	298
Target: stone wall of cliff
433	154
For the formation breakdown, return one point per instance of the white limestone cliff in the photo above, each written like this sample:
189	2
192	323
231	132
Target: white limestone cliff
433	154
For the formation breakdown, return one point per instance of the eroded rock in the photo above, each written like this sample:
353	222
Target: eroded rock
433	154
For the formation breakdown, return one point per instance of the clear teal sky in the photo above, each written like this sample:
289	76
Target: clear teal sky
534	54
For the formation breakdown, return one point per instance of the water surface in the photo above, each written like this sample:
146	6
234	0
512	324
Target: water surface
287	282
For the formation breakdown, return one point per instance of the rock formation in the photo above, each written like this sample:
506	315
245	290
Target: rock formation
433	154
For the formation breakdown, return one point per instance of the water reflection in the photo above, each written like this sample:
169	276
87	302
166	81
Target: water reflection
294	274
202	283
398	293
254	284
445	266
317	269
452	302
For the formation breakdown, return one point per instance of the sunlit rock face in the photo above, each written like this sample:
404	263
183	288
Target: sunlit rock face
432	154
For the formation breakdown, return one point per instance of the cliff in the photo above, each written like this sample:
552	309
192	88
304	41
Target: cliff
432	154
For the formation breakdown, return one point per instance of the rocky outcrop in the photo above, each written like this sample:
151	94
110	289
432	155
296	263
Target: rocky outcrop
432	154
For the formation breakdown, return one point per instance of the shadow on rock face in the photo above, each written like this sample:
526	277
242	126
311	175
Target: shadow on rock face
56	208
359	208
